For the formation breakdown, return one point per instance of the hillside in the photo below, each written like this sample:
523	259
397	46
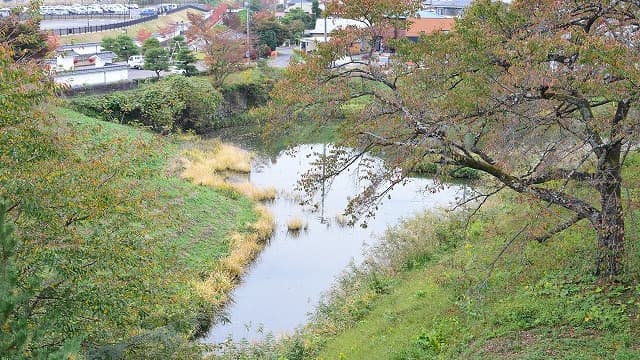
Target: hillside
116	248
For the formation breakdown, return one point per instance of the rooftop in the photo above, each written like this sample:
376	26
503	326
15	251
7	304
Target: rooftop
427	26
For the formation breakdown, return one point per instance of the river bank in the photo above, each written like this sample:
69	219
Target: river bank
298	264
139	257
440	286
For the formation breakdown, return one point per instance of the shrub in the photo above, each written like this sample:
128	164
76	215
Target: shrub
173	103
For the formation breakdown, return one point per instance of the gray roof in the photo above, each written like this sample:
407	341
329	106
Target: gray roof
448	3
67	47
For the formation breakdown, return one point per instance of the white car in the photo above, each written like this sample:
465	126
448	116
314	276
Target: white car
136	61
94	9
176	70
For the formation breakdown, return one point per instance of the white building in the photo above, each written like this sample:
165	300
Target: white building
87	77
81	65
316	35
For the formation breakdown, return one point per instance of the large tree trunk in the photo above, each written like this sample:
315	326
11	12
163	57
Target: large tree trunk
610	225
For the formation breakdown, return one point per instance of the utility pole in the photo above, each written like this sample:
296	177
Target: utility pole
324	145
248	54
325	20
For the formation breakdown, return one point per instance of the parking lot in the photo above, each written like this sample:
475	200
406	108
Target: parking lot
79	22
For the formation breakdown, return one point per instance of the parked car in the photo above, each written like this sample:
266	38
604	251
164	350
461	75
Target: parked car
176	70
94	9
148	12
136	61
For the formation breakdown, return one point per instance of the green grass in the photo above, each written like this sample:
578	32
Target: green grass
149	239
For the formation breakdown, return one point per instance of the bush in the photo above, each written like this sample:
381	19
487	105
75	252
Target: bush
173	103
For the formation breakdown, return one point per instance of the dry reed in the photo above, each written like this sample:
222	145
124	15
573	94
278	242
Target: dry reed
296	224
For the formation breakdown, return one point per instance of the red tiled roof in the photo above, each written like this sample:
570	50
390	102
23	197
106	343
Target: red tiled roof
217	14
427	26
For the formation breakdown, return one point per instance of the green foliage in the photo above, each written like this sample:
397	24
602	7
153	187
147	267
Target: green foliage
270	32
112	245
183	56
26	40
150	43
464	172
255	5
185	60
173	103
156	59
315	9
123	45
297	21
13	300
268	38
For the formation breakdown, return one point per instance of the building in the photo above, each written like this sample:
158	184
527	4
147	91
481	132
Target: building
423	26
86	65
446	7
317	34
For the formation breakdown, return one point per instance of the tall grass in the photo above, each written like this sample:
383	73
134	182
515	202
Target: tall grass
212	163
296	224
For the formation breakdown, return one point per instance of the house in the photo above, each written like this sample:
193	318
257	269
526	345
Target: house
317	34
446	7
86	64
81	48
425	26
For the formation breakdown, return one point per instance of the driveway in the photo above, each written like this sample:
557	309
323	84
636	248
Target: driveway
283	57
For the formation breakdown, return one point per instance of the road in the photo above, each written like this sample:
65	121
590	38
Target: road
283	57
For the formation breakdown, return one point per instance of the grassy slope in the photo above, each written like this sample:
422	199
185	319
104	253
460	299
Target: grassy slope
181	229
153	26
439	299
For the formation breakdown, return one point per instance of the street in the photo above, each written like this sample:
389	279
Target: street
283	57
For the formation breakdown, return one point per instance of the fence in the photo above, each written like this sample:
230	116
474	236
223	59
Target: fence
102	89
119	25
85	16
104	27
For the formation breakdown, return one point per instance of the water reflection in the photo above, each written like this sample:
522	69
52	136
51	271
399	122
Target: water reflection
288	277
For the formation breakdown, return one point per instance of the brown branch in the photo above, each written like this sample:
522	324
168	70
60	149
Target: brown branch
559	174
558	228
74	219
555	197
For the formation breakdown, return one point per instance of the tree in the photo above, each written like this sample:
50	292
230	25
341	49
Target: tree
182	55
156	59
269	31
315	9
150	43
25	38
255	5
232	21
143	34
224	49
540	96
297	21
122	45
24	87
